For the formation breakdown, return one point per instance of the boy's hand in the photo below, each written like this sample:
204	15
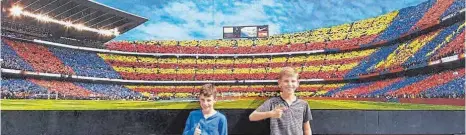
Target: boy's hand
197	131
277	112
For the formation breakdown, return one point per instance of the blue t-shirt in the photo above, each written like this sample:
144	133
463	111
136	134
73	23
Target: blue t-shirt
214	125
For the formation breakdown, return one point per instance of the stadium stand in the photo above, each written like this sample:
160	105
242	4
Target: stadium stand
385	27
371	46
445	84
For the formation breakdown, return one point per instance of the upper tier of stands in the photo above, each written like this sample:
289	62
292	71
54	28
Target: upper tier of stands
374	30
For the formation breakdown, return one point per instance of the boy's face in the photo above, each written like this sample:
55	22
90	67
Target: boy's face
207	103
288	84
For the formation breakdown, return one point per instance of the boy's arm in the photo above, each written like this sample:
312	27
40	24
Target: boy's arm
256	116
262	112
223	127
307	121
307	128
188	128
275	113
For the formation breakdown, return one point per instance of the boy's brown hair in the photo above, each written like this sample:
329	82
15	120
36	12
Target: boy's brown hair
208	90
288	71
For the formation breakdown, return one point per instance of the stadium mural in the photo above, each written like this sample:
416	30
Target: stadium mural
203	20
361	56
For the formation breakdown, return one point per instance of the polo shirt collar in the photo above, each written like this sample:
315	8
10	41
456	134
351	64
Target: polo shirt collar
286	103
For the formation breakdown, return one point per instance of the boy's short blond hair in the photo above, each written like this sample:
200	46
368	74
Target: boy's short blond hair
208	90
288	71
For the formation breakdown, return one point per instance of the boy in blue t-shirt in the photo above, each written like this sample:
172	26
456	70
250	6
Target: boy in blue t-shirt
206	121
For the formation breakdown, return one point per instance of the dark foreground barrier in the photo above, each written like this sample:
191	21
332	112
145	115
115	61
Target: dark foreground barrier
157	122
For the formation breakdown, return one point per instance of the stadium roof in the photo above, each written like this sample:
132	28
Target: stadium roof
88	13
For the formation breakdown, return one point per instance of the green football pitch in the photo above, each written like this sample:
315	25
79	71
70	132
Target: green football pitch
237	104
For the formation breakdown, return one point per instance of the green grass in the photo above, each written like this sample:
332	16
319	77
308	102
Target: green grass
238	104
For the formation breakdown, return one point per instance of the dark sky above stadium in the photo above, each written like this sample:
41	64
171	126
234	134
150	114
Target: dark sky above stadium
204	19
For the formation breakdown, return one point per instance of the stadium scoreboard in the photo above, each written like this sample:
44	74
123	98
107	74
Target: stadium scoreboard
231	32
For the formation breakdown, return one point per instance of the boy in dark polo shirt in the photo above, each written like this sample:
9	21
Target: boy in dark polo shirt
206	121
288	114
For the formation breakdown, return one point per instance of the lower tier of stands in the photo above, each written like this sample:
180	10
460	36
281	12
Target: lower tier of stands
443	84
